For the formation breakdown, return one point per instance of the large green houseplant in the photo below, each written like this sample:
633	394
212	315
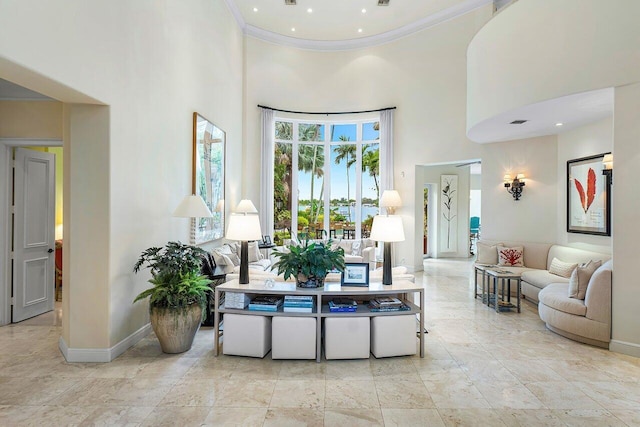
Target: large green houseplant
309	262
178	298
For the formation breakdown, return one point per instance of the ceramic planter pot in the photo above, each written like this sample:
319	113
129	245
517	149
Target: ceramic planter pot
303	281
176	327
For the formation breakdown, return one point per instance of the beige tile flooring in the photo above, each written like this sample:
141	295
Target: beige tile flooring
481	369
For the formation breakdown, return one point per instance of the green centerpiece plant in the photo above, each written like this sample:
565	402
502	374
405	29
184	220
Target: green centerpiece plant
309	262
178	298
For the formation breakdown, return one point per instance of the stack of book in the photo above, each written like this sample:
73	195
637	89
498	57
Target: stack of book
265	303
387	304
343	305
236	300
298	304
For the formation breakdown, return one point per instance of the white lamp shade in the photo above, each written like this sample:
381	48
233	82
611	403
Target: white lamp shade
246	206
244	227
390	199
387	228
607	161
192	207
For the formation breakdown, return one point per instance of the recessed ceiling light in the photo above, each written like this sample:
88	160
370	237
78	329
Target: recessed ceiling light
255	9
359	30
518	122
559	124
364	10
293	29
309	10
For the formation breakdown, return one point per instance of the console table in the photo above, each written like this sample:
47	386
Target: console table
400	289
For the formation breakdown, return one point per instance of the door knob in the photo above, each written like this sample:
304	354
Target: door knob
50	250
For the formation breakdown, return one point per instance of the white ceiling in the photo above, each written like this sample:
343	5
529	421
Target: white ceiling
572	111
11	91
334	24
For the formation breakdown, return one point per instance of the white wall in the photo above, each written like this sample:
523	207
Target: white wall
535	50
595	138
153	63
533	218
626	233
424	75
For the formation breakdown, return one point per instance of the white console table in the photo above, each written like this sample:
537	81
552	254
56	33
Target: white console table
400	288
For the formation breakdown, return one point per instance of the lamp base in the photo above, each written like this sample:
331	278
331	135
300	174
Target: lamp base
386	267
244	262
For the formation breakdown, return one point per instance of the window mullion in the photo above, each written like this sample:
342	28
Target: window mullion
327	179
359	181
294	180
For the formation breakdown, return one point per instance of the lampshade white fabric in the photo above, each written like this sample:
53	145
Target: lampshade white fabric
192	207
246	206
387	228
390	199
244	227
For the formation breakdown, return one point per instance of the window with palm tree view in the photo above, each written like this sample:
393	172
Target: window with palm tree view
326	178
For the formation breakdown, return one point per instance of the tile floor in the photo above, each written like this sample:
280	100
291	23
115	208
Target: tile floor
481	369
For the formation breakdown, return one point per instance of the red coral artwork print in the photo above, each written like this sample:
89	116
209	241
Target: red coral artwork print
511	256
587	199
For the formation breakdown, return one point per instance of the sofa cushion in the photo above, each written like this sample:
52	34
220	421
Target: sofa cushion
561	268
227	250
580	279
555	296
511	256
541	278
487	253
570	254
356	248
223	262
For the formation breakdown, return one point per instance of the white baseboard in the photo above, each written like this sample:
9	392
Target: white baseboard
623	347
102	354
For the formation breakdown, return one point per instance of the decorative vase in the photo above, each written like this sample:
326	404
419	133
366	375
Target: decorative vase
176	327
303	281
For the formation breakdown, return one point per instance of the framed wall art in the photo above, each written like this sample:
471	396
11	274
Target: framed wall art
588	197
208	177
449	210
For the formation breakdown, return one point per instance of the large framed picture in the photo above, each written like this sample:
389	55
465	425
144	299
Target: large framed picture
355	274
588	197
208	177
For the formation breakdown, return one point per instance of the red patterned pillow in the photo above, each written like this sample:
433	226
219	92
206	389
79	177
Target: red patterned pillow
512	257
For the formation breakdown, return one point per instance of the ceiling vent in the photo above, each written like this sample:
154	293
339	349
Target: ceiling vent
383	2
290	2
518	122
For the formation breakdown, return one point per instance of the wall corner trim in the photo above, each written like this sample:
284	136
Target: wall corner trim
102	355
624	347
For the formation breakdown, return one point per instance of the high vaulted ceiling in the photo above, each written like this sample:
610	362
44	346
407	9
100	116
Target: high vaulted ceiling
336	24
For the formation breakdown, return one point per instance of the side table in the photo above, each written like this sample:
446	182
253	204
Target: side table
505	277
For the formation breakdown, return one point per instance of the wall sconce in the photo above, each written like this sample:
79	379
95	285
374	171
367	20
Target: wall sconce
514	187
607	165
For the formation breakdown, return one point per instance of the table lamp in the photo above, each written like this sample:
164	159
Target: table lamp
193	207
244	227
387	229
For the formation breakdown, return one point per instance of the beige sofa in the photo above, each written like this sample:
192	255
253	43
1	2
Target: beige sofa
537	260
587	320
360	250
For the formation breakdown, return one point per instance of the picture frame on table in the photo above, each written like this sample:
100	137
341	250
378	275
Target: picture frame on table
266	240
588	196
355	274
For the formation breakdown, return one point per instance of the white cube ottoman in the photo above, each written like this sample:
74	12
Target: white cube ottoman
346	337
246	335
393	335
293	337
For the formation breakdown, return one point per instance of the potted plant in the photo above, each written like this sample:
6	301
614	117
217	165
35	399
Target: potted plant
309	262
178	297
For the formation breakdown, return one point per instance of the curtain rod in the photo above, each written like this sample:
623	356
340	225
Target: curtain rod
340	112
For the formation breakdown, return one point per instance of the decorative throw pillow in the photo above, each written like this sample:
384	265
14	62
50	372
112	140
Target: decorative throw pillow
487	254
228	250
561	268
580	279
223	262
512	257
356	248
254	252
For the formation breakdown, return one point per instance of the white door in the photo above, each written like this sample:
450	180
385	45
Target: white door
33	233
